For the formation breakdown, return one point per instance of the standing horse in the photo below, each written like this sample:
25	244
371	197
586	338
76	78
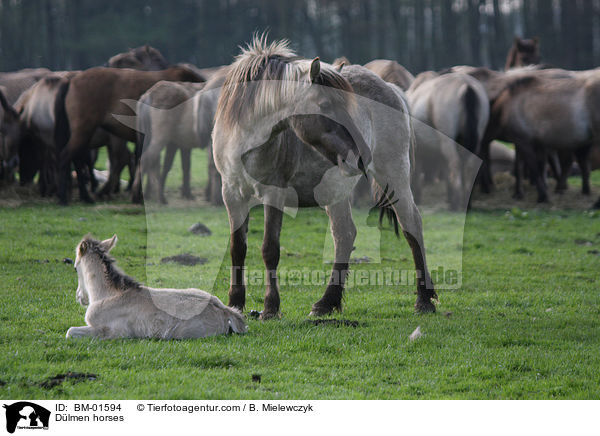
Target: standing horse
289	131
120	307
523	52
9	130
540	113
91	100
452	108
176	115
144	58
16	82
391	71
166	118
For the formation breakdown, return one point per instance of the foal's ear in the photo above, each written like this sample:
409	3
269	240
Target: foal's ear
315	69
108	244
83	246
340	66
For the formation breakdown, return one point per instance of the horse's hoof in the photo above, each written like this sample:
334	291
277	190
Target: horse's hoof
264	315
424	306
318	310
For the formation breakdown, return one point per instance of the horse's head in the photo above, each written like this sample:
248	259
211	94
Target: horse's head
10	133
325	119
88	253
270	84
527	52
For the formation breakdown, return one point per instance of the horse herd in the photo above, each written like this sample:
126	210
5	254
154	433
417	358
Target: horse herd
285	131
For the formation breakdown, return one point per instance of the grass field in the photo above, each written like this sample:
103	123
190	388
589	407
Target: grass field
524	324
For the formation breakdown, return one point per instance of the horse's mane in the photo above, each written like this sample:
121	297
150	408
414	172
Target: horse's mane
262	62
117	278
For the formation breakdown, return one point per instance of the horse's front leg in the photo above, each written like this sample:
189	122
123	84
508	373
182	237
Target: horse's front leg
237	210
270	253
344	233
186	161
82	332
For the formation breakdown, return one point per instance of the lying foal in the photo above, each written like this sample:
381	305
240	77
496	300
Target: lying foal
119	307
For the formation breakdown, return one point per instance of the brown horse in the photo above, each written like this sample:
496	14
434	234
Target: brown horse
523	52
391	71
90	101
144	58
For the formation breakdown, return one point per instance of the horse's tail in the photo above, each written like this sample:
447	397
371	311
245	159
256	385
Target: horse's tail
62	130
384	202
144	125
470	137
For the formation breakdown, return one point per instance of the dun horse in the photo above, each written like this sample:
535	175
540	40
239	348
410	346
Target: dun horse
144	58
540	114
120	307
449	108
391	71
177	116
288	131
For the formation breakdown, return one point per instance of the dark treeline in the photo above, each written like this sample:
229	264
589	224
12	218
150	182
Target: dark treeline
420	34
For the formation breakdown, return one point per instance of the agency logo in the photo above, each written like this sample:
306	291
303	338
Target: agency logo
26	415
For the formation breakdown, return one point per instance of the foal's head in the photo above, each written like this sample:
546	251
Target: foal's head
310	97
91	255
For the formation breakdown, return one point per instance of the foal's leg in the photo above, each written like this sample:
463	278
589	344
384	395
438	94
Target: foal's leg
270	253
82	332
186	160
344	233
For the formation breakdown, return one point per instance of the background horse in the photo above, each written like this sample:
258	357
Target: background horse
452	108
120	307
144	58
166	116
276	140
523	52
391	71
90	100
540	113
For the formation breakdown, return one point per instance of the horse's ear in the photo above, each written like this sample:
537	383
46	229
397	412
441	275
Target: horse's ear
108	244
340	66
83	246
315	69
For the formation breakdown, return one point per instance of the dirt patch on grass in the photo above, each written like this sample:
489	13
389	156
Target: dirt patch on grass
185	259
59	379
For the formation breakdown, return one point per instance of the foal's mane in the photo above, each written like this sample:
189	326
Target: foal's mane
262	62
117	278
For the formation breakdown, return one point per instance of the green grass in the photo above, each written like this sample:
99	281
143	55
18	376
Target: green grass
524	324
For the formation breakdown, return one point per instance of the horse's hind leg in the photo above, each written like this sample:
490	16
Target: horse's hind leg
566	162
344	233
81	168
270	253
409	217
167	165
412	227
582	155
